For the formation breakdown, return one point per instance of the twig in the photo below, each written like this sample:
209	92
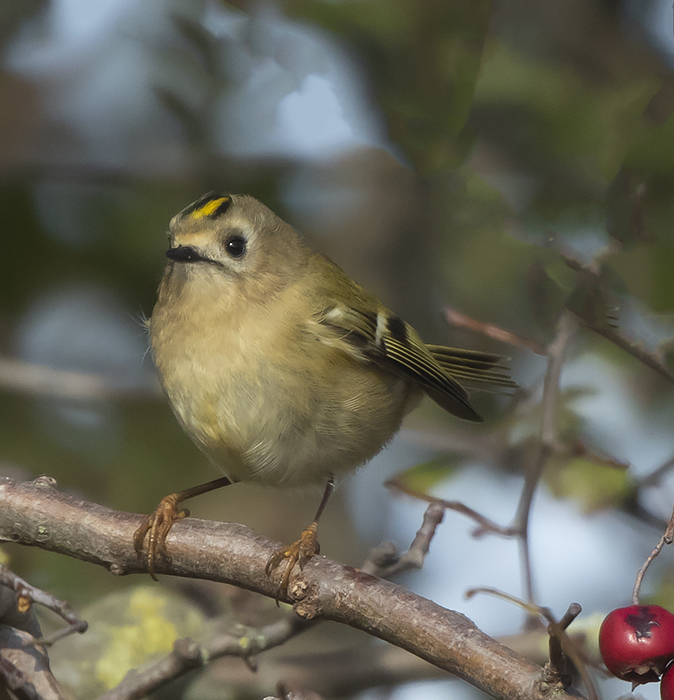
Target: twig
654	477
645	357
557	669
485	525
556	353
187	655
23	377
384	560
230	553
593	269
456	318
665	539
556	629
28	594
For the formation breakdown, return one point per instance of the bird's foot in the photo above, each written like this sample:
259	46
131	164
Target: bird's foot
155	528
299	552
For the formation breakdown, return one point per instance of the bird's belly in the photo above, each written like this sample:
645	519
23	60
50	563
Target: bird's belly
271	425
267	401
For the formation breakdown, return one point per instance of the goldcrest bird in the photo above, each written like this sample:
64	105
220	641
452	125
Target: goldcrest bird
280	368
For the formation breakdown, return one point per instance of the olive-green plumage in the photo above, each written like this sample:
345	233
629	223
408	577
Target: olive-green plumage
278	366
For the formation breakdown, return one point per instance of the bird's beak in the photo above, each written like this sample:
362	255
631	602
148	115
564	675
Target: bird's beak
185	253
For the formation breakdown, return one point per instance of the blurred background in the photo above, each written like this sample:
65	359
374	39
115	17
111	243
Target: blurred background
459	153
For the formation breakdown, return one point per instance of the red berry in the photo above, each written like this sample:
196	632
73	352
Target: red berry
667	684
637	642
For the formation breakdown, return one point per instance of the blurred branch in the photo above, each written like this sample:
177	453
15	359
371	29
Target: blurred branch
24	667
345	672
35	514
558	668
599	326
485	525
645	357
456	318
20	376
544	447
653	479
556	352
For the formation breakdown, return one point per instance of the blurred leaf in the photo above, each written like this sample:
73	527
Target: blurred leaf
662	298
423	477
547	299
204	43
593	482
561	116
653	152
625	217
126	630
588	300
188	115
664	590
559	272
589	627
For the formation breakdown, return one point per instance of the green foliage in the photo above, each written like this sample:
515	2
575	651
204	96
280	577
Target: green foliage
422	61
422	478
592	482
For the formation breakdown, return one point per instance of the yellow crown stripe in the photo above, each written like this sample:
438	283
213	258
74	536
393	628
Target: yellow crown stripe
208	208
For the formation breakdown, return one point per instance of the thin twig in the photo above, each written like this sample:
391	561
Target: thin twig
548	443
557	669
384	560
187	655
645	357
28	594
549	407
558	629
27	378
665	539
594	269
654	477
456	318
485	525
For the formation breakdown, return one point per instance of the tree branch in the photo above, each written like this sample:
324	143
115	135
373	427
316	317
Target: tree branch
35	514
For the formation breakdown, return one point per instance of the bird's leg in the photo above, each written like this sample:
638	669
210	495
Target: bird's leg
157	525
304	548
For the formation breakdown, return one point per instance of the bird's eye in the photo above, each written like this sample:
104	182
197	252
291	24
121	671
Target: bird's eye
236	247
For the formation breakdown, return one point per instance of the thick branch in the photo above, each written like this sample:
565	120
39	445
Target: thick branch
36	514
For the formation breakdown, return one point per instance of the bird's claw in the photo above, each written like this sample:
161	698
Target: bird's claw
155	528
299	552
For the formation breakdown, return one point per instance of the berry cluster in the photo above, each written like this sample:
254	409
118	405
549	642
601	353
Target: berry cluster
637	645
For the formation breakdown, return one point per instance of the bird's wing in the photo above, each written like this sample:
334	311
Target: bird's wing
383	338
